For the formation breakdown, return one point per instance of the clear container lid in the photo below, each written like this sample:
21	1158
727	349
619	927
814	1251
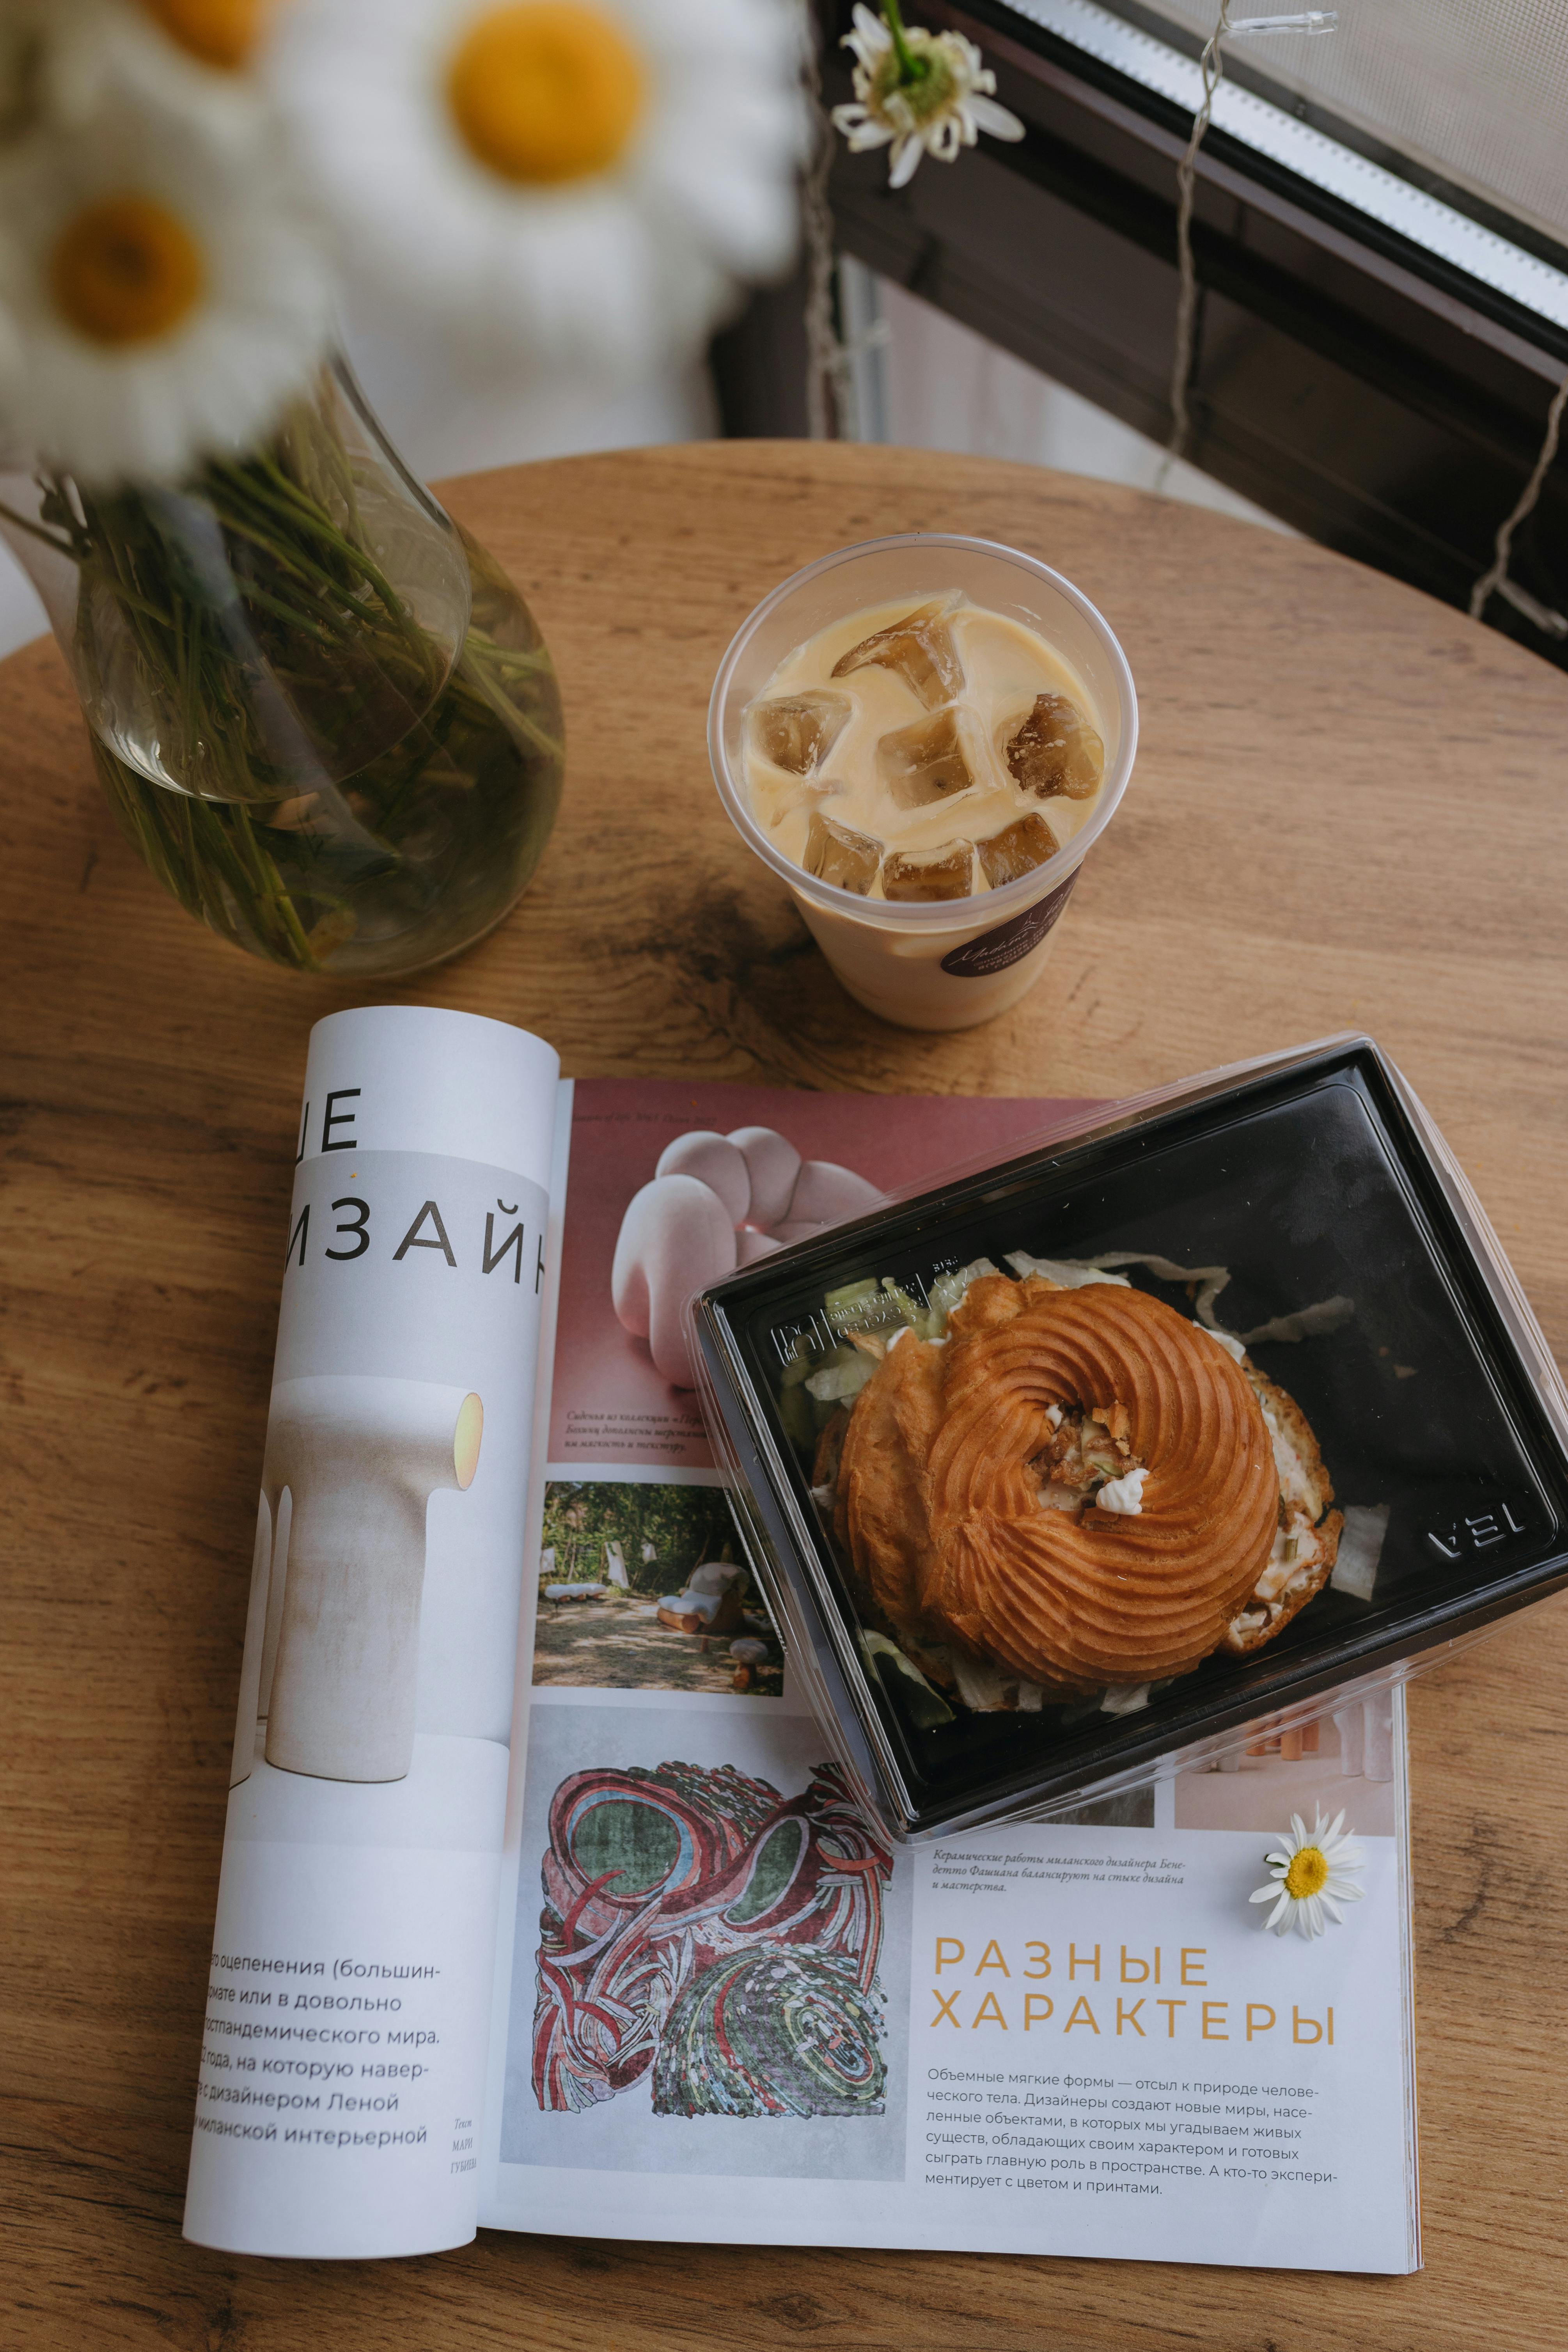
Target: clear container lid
1304	1208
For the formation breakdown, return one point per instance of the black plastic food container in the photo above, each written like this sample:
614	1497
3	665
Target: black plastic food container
1312	1176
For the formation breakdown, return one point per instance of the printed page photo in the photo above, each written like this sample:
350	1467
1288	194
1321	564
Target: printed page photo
671	1186
642	1586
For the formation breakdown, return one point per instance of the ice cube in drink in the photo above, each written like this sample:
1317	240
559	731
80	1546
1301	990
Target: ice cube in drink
945	871
797	731
925	762
1054	753
837	853
920	648
1016	849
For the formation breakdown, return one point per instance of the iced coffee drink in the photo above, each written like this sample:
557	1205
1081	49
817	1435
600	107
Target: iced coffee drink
924	737
925	750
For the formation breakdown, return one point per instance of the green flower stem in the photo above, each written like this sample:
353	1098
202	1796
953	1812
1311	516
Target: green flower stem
35	530
912	68
314	519
273	895
494	698
282	610
315	775
433	737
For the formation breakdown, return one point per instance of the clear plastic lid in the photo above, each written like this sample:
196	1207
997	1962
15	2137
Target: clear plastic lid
1300	1351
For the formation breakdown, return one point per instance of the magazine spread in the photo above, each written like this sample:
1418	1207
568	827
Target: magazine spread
703	1965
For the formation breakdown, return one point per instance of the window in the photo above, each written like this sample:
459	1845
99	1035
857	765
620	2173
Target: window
1381	236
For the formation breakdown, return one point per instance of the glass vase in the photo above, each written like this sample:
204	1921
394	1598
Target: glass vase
322	713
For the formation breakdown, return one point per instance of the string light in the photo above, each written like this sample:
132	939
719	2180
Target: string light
1305	20
827	362
1212	67
1495	579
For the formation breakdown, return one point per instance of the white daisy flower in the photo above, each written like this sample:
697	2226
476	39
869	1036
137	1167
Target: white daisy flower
919	93
162	292
61	60
577	180
1310	1876
224	34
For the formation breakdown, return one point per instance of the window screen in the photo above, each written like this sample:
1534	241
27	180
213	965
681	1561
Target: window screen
1474	89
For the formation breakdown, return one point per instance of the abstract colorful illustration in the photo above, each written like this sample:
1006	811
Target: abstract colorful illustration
699	1924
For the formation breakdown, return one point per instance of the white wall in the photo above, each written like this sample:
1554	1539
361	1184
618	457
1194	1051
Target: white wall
21	615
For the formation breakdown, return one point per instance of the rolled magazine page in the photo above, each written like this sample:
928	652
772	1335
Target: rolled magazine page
344	2051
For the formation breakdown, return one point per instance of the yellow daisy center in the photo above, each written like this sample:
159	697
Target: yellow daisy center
1307	1874
546	91
219	32
125	270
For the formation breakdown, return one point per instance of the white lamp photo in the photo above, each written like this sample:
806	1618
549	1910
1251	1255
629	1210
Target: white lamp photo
358	1459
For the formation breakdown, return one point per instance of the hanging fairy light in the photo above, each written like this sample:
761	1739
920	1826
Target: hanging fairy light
1495	579
1211	65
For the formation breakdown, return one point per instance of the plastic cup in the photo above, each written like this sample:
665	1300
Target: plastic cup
951	963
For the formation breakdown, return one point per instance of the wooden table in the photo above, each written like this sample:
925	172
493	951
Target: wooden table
1348	809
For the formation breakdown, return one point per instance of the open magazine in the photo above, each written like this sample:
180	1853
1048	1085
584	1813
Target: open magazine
544	1906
